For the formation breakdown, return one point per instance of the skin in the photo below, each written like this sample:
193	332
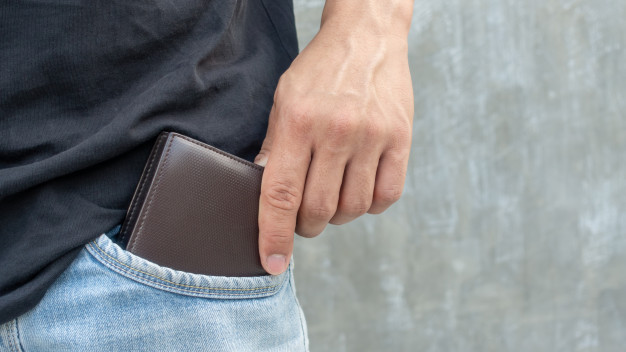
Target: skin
339	134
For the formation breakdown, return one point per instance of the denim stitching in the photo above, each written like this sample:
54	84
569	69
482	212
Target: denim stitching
300	313
178	284
7	331
17	336
11	330
175	289
174	283
195	291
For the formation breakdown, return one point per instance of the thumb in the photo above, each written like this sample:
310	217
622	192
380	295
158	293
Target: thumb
261	158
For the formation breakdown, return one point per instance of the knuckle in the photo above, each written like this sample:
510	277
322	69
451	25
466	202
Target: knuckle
279	239
376	210
388	195
308	233
374	131
356	207
320	212
341	126
399	158
294	111
297	115
400	137
283	195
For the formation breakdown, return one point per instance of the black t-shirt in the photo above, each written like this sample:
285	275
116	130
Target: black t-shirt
85	88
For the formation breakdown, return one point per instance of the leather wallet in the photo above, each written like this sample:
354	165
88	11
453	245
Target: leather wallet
195	209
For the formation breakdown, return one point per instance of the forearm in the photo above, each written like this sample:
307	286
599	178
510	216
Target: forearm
370	17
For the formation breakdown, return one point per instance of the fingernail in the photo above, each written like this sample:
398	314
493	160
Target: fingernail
261	159
276	264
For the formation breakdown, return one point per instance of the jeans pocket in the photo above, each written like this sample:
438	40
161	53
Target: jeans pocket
112	300
141	270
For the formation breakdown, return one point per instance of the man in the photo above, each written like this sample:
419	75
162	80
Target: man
85	87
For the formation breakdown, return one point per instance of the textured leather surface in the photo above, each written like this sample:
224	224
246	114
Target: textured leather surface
195	209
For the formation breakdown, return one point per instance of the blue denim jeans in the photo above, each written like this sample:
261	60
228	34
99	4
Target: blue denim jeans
112	300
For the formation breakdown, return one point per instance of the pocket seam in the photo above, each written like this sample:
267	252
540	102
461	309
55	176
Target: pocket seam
98	253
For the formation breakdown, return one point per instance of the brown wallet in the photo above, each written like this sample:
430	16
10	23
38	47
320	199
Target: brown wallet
195	209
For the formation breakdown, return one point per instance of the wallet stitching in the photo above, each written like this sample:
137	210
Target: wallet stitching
221	152
143	183
156	187
102	251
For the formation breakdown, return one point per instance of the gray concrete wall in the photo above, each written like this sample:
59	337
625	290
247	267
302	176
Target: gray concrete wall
511	233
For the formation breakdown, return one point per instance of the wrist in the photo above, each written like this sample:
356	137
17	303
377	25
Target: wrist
368	17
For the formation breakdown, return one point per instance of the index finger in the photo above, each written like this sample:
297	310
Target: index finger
281	194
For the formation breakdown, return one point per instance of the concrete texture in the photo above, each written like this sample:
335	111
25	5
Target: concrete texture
511	232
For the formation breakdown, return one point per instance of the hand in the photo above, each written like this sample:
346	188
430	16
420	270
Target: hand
338	139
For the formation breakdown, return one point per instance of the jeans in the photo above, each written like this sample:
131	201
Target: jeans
112	300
